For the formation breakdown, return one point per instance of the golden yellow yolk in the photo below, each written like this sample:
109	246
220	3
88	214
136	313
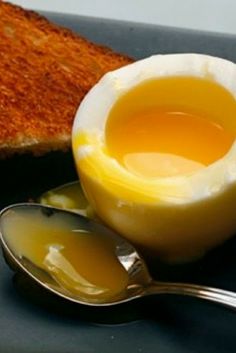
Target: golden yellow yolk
170	126
83	263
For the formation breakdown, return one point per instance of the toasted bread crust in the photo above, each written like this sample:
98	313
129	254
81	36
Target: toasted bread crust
45	71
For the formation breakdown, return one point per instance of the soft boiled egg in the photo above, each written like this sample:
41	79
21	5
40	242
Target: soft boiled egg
154	145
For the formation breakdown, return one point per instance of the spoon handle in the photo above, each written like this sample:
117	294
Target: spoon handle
216	295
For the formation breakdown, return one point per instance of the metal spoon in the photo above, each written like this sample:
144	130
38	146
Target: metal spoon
140	282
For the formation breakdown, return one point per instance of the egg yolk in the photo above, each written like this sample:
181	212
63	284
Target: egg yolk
83	263
171	126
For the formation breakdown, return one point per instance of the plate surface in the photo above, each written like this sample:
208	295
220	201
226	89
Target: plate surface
32	322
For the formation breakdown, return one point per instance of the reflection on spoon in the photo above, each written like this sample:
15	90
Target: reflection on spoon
68	196
83	261
80	261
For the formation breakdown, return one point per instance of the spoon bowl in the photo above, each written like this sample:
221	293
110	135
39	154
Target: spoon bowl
139	283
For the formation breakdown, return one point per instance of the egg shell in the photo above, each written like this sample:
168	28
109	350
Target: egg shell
175	218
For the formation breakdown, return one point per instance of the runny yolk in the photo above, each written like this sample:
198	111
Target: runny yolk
83	263
171	126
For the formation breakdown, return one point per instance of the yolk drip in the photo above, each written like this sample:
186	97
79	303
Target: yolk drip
179	137
83	263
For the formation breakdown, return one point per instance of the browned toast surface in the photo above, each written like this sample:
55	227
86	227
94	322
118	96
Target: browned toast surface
45	71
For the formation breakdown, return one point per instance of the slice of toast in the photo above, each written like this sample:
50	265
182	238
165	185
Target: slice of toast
45	71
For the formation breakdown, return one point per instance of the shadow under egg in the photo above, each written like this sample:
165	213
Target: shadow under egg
25	177
217	268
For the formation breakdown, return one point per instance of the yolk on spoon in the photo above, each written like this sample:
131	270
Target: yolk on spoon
83	263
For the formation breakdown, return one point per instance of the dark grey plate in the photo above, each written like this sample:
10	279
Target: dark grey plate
32	322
